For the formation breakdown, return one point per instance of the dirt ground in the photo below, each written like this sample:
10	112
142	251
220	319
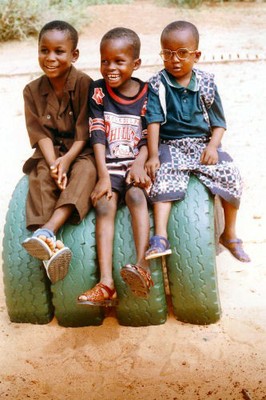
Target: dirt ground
174	360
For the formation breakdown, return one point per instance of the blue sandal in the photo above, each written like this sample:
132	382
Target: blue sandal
159	247
57	266
235	248
36	247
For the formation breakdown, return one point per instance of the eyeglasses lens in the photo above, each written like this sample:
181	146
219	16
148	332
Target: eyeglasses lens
182	54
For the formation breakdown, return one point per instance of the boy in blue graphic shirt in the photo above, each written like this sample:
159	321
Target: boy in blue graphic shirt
185	115
118	136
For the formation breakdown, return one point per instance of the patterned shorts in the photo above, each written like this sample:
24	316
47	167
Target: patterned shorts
181	157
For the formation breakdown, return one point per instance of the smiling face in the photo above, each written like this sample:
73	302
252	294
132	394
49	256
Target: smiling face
118	63
174	40
56	53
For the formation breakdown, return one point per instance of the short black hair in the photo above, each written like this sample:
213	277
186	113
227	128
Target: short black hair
181	26
124	33
61	26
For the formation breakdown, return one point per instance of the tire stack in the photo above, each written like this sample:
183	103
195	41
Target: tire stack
191	268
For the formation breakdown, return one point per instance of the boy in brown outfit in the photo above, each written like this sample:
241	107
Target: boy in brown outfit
61	171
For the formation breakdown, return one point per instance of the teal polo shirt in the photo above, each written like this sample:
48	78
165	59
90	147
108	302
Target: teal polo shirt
183	116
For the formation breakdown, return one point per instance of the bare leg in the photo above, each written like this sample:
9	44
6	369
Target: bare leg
138	276
105	217
230	215
159	245
229	238
104	291
58	219
137	204
161	216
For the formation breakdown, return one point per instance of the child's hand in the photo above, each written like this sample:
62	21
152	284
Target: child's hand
151	166
103	187
138	176
59	171
209	156
54	172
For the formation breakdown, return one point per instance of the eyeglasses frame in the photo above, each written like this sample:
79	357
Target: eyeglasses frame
174	52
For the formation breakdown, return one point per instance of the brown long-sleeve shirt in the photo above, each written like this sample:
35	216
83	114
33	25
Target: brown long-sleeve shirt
63	123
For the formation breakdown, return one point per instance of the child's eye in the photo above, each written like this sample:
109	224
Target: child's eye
104	62
59	51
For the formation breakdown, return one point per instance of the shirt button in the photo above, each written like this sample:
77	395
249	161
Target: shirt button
70	113
48	116
185	91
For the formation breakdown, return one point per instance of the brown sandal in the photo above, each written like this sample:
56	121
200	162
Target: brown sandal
138	279
235	248
95	296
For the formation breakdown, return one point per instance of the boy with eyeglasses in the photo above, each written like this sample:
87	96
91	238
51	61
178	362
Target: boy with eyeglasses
186	124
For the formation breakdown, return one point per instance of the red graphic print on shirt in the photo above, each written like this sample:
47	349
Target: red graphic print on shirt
98	95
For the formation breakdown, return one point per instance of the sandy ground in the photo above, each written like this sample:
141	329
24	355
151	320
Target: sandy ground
174	360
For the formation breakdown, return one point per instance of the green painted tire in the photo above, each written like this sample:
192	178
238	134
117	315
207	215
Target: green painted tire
26	286
61	298
133	311
192	265
82	275
191	268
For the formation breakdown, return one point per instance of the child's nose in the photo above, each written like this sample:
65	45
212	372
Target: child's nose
175	56
112	65
51	56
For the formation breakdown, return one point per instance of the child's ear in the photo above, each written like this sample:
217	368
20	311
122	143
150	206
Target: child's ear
137	63
197	56
75	55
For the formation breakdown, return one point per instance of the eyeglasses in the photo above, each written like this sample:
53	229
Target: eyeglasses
182	54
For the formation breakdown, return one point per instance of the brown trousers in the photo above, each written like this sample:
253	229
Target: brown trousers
44	196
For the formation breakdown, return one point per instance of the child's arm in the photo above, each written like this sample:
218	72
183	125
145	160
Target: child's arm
62	164
153	162
137	174
47	148
210	155
103	186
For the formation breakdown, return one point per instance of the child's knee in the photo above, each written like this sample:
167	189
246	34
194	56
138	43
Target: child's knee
104	208
135	197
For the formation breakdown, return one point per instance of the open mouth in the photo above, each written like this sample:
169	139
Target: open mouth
50	68
113	78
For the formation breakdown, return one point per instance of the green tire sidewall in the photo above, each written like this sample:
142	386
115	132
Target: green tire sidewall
26	286
191	267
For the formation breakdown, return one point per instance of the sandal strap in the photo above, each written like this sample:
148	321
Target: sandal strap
45	232
230	241
145	274
110	291
96	293
156	241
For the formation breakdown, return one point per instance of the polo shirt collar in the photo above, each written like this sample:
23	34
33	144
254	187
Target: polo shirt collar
193	84
69	86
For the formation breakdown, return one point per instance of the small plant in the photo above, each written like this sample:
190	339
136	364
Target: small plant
24	18
186	3
18	20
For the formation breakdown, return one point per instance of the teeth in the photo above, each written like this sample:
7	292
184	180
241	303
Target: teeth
113	77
